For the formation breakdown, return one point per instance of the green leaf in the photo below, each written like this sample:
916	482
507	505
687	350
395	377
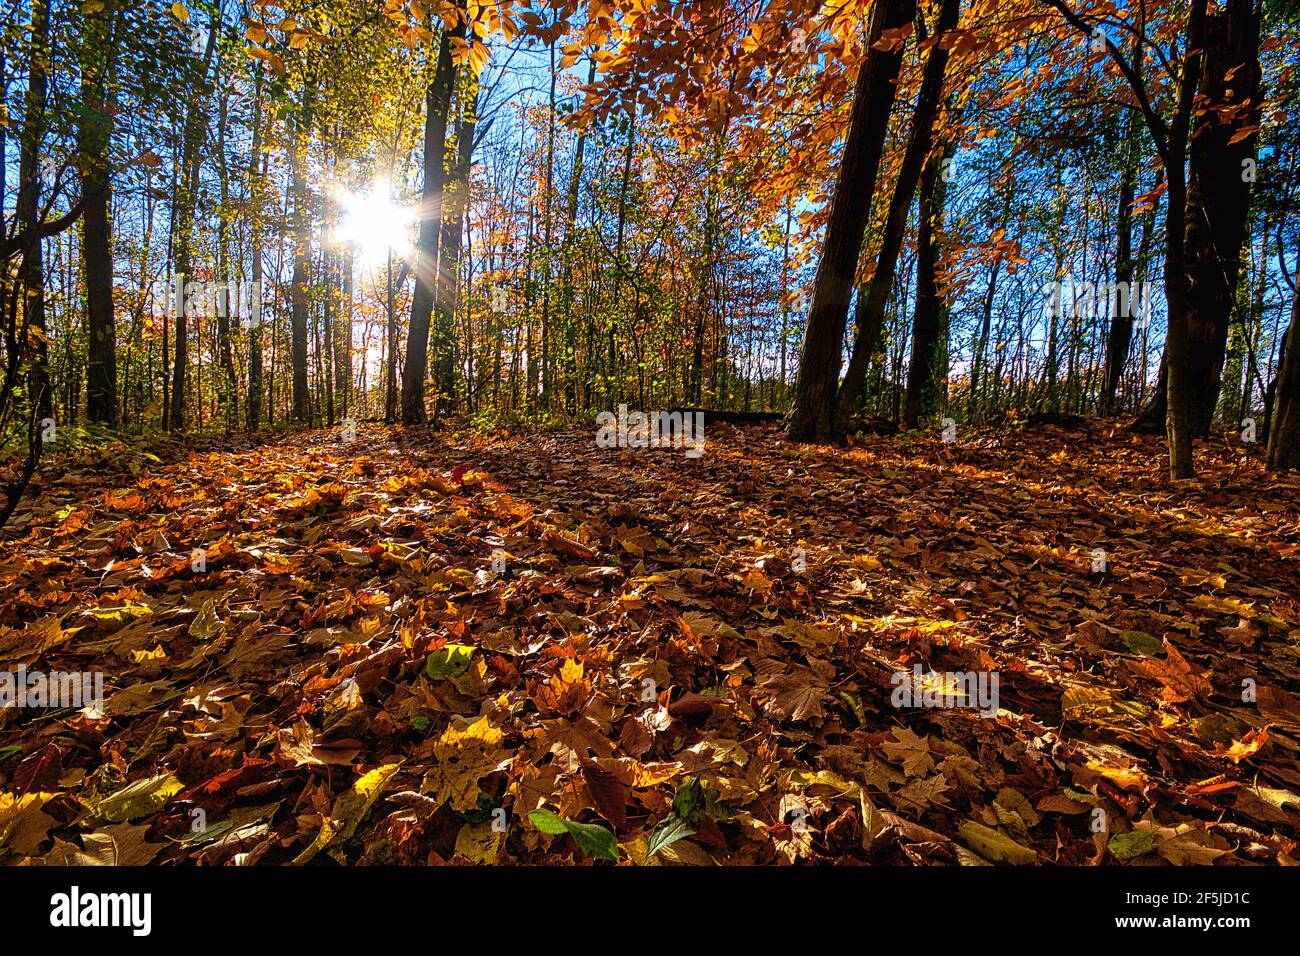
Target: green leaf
1142	643
994	846
592	839
674	828
137	799
547	822
1130	846
449	661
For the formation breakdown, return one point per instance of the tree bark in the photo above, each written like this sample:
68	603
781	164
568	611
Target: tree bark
27	210
869	316
300	302
1120	337
187	191
1284	430
456	201
96	192
253	411
1218	198
437	103
1218	208
813	408
929	322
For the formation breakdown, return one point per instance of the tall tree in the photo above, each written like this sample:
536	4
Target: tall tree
1119	336
437	104
813	410
185	208
929	359
1221	156
869	317
456	200
97	108
300	292
28	212
256	192
1284	431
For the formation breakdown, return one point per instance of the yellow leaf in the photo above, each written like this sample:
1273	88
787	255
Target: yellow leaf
180	13
138	799
348	811
465	753
23	824
478	843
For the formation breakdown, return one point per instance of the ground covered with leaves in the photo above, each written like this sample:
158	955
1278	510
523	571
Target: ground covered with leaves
419	648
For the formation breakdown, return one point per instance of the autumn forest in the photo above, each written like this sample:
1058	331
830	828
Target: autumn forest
649	433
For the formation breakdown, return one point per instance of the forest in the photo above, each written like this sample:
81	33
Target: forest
650	432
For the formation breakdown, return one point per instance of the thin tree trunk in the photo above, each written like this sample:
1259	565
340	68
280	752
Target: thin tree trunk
28	214
253	412
929	323
196	129
437	103
96	193
300	303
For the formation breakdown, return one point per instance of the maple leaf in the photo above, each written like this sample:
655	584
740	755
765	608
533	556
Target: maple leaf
911	751
465	753
1180	682
799	695
23	824
1247	746
566	692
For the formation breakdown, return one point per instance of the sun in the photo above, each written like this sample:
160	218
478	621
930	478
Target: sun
373	225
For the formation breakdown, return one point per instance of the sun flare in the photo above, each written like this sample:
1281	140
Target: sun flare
373	224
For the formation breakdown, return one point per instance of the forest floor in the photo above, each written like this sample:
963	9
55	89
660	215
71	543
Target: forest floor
674	659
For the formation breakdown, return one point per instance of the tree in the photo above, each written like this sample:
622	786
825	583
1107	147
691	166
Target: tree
870	314
98	47
186	200
813	409
437	104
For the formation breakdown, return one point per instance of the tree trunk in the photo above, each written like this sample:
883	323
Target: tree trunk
813	409
96	193
253	411
870	314
299	294
1284	430
437	103
1179	422
929	322
1218	196
456	200
187	191
1120	336
1218	208
27	209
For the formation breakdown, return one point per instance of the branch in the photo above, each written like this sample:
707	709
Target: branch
1159	132
10	246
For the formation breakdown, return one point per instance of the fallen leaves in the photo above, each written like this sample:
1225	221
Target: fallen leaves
349	810
475	653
